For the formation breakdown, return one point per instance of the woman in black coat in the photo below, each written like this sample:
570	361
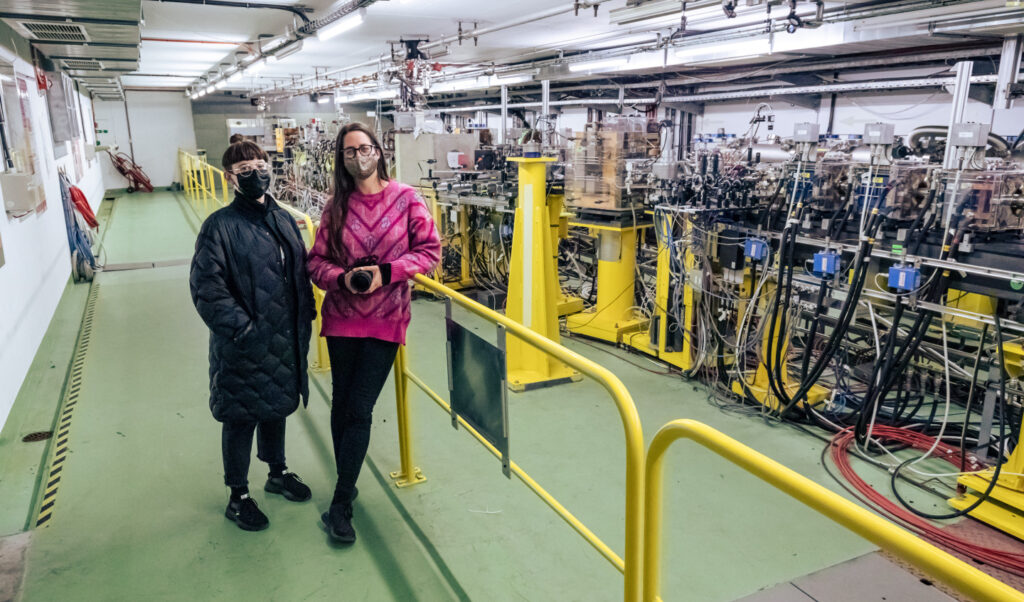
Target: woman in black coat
250	286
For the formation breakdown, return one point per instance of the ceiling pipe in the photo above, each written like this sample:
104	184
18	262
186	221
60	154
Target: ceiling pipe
295	11
533	18
180	41
857	11
468	35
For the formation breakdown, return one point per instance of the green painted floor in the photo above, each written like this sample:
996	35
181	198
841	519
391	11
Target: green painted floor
139	515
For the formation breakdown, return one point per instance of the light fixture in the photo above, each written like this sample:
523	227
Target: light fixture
220	84
200	92
287	51
210	88
599	65
508	80
256	66
349	21
707	53
237	75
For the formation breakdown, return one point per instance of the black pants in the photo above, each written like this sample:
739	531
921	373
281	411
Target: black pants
236	446
359	369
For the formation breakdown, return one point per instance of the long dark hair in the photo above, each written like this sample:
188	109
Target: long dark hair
344	186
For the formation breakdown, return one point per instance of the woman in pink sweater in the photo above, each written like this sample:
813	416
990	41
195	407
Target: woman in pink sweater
375	235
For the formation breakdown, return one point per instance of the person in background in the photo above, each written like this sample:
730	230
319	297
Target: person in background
375	235
250	286
235	138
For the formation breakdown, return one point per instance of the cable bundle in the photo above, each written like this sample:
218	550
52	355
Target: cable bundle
1011	562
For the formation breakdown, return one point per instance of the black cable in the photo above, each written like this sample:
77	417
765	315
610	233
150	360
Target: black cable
970	396
999	458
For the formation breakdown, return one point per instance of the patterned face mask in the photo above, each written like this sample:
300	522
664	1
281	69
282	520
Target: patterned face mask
361	167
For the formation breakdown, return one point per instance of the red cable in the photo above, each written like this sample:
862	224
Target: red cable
1011	562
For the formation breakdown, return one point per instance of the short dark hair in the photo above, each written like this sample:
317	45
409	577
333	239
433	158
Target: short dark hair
246	150
235	138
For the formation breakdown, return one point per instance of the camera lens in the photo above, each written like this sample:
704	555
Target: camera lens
361	281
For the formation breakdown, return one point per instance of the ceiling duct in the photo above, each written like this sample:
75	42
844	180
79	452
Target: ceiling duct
55	32
82	64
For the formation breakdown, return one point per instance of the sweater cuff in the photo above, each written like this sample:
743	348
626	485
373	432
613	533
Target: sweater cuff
385	274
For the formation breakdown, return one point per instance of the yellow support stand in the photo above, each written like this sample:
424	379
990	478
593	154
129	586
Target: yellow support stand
1004	507
533	290
613	316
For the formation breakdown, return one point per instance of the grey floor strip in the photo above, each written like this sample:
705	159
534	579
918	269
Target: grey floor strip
144	265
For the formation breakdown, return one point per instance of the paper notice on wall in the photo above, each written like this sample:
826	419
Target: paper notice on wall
1	252
76	149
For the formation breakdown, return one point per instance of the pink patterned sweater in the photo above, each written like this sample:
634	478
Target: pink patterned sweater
396	226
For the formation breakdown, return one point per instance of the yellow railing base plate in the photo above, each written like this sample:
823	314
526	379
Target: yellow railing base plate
402	482
526	380
999	516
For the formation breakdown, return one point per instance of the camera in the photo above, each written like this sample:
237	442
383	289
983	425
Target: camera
362	280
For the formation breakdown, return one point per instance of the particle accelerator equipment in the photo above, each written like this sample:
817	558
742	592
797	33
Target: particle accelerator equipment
871	286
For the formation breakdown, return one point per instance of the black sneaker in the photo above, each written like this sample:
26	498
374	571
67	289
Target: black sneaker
290	486
247	514
338	522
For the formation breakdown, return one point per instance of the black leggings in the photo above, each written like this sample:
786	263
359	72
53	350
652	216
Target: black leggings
359	369
236	447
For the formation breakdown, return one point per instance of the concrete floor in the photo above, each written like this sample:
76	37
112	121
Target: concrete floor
139	513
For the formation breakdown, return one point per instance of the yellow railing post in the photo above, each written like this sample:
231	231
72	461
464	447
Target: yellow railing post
629	564
408	474
961	576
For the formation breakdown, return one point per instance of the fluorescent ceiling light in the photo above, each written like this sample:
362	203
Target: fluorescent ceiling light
209	88
508	80
707	53
220	84
459	85
256	66
287	52
598	65
200	92
323	99
234	77
274	43
349	21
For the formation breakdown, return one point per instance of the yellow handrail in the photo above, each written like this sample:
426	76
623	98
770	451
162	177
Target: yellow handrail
629	564
202	182
323	360
958	574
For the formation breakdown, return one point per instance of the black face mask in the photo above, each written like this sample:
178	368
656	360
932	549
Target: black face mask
253	185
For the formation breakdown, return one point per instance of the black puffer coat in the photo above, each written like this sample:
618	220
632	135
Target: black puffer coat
250	285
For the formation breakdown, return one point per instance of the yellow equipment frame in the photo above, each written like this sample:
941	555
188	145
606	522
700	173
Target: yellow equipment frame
1004	507
956	573
409	474
642	340
613	316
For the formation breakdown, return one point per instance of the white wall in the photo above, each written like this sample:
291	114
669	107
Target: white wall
37	261
160	122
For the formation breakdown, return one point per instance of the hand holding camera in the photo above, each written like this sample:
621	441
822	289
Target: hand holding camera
363	276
